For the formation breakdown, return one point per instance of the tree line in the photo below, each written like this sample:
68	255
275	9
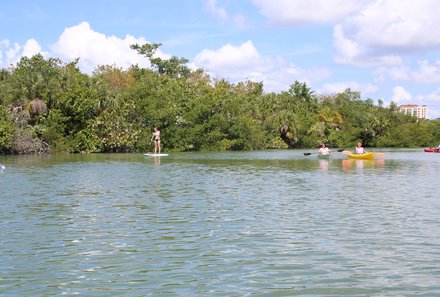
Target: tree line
48	106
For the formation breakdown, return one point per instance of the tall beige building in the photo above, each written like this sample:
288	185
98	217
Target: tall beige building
414	110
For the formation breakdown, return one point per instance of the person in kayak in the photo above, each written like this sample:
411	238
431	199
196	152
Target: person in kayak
324	150
156	138
359	149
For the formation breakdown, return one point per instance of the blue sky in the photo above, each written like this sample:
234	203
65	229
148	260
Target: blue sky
385	49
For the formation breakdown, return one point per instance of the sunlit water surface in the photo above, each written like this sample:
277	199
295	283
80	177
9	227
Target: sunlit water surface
265	223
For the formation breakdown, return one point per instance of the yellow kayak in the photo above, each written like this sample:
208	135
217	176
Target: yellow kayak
366	156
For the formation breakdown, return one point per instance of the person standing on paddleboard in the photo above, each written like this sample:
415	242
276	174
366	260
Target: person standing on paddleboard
156	138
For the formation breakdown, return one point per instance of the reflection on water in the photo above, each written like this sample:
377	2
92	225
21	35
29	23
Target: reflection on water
272	223
324	164
348	164
156	160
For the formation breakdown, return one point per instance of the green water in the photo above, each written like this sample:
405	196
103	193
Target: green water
266	223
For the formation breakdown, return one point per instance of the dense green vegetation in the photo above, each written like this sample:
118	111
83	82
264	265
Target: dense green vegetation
47	106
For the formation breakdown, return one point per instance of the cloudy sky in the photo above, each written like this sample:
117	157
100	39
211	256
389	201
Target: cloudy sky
386	49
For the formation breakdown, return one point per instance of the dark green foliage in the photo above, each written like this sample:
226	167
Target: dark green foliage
410	134
34	78
7	130
48	106
54	132
173	67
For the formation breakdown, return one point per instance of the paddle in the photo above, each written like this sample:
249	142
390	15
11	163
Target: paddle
152	148
308	154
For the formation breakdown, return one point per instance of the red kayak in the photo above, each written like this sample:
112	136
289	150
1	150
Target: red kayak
432	150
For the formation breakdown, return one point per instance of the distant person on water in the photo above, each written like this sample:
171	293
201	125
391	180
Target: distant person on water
324	150
359	149
156	138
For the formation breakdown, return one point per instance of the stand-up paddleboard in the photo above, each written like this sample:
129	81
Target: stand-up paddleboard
155	155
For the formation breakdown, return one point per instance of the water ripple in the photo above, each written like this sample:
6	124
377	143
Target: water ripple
222	224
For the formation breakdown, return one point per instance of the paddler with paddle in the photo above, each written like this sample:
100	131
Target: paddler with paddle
359	149
324	150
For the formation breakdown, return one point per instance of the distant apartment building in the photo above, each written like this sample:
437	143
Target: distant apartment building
414	110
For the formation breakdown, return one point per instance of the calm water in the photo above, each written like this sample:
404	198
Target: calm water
271	223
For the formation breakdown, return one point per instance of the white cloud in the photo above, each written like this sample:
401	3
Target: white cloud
299	12
357	53
385	30
427	73
14	52
434	96
280	79
3	44
402	73
244	62
212	8
398	73
31	48
220	13
234	63
80	41
432	101
364	89
94	48
400	95
229	56
399	24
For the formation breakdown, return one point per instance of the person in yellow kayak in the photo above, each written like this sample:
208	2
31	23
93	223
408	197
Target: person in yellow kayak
359	149
324	150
